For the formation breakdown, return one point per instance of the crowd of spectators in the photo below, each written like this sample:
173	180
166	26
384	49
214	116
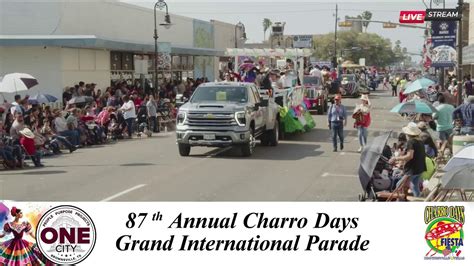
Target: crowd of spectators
89	116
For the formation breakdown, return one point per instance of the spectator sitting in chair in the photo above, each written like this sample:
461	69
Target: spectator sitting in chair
27	140
17	126
62	129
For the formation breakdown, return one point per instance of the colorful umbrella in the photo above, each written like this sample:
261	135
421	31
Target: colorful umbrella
417	85
15	82
42	98
414	107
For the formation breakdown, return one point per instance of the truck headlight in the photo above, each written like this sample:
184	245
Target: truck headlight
240	118
180	118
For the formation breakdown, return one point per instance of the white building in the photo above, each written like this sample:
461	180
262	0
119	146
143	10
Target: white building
62	43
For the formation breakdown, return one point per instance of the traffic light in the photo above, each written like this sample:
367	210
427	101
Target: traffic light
345	24
389	25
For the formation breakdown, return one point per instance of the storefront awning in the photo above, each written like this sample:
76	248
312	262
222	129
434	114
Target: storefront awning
183	50
269	52
81	41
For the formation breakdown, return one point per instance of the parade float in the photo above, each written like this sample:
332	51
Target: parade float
294	114
294	109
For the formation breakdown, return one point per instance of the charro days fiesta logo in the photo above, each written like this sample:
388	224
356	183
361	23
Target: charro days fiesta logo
66	235
445	232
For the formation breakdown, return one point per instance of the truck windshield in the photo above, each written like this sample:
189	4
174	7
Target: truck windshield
220	94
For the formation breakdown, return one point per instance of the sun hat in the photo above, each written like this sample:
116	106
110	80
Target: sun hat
411	129
364	97
422	125
27	133
275	72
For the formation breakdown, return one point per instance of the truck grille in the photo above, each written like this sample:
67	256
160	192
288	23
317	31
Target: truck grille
210	119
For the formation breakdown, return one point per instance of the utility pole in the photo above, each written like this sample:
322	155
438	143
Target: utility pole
335	41
459	72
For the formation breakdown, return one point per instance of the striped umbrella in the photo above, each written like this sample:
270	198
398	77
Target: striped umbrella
15	82
414	107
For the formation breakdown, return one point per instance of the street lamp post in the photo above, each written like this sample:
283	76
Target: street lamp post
240	26
244	35
159	5
460	44
335	40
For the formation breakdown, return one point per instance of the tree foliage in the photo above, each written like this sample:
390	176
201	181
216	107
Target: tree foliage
352	46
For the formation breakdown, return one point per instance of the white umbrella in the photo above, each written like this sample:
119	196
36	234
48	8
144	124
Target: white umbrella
15	82
462	158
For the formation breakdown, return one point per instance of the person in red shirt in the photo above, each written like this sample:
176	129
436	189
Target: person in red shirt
362	120
27	140
402	96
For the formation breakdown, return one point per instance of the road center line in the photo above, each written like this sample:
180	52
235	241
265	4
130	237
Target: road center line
123	192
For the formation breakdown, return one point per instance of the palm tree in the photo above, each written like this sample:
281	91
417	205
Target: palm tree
267	23
367	15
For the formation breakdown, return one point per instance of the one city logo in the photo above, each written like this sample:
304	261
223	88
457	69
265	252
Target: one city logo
66	235
444	233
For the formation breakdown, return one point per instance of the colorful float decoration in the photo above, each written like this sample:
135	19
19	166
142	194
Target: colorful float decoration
294	113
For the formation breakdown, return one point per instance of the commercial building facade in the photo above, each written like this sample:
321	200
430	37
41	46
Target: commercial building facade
62	43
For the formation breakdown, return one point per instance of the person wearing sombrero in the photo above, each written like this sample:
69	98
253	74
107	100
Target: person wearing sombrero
414	158
27	140
362	120
18	251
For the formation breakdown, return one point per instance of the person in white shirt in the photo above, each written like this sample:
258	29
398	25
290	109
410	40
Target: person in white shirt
315	72
62	129
16	106
129	114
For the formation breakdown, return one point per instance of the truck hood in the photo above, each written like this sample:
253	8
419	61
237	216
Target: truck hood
213	107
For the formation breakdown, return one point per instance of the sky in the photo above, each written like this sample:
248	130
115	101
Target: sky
303	17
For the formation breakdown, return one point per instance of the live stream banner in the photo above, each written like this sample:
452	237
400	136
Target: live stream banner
250	233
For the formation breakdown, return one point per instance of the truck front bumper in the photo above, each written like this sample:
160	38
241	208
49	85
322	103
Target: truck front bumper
212	138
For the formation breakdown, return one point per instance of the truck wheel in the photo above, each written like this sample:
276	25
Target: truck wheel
184	149
281	131
274	134
321	110
249	147
264	140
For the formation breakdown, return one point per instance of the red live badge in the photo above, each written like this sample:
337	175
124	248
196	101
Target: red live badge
412	17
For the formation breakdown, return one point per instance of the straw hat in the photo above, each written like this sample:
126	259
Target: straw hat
411	129
364	97
27	133
470	99
422	125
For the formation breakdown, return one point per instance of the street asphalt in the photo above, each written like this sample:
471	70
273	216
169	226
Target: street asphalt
301	168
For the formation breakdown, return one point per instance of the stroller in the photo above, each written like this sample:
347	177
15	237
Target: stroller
116	126
375	173
142	122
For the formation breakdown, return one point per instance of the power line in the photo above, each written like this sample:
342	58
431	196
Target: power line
281	12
